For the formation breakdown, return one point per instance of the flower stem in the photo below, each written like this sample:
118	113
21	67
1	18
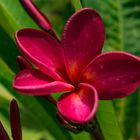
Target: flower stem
77	4
50	99
94	129
97	134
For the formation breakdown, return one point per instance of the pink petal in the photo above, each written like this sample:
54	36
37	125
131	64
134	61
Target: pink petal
15	121
83	39
36	14
114	74
36	83
79	106
42	50
3	133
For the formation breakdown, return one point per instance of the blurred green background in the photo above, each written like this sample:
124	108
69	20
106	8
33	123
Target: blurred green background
119	119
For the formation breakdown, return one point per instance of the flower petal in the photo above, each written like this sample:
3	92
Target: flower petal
15	121
83	39
113	74
42	50
34	82
79	106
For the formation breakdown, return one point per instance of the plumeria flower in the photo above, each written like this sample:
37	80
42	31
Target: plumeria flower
14	122
75	65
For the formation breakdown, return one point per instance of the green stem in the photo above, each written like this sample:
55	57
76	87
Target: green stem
50	99
77	4
93	128
96	134
121	29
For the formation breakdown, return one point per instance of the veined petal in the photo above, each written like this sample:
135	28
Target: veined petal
34	82
3	133
42	50
113	74
79	106
15	121
83	39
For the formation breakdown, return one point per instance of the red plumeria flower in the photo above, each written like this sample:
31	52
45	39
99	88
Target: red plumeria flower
75	67
15	124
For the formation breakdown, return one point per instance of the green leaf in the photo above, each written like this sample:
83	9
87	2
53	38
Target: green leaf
13	16
131	116
8	50
131	22
108	122
131	112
